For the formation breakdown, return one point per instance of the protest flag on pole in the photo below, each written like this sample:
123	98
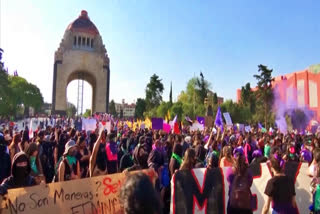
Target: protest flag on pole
218	122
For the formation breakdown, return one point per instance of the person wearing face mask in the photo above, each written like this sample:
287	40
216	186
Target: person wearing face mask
20	174
69	168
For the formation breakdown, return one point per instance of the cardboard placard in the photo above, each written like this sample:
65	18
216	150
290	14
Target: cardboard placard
90	195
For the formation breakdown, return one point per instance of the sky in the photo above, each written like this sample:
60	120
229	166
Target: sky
225	40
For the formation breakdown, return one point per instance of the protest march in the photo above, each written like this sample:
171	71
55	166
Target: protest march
155	107
82	165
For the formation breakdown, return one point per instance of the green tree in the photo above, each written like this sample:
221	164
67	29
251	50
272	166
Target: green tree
87	113
5	94
264	92
215	98
24	94
154	92
140	108
202	87
248	97
71	110
151	113
193	97
162	109
112	108
177	109
238	113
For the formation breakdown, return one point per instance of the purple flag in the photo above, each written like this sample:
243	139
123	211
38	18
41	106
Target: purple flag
201	120
260	126
157	123
218	122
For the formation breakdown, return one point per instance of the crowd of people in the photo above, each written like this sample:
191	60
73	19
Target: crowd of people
62	152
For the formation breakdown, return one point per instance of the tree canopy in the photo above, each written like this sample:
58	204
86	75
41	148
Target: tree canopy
154	92
17	94
140	108
264	92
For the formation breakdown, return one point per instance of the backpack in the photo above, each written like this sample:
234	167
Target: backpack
240	196
165	179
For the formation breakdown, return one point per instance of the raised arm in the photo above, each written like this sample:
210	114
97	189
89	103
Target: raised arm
93	158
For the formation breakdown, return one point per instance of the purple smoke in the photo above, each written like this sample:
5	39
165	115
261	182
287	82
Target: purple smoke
286	104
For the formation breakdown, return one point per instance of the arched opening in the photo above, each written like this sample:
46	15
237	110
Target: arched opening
79	96
81	91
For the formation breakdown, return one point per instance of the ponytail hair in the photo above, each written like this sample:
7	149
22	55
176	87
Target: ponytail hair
277	162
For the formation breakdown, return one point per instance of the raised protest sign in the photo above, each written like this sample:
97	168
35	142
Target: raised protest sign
206	190
98	195
208	121
89	124
197	127
157	123
227	118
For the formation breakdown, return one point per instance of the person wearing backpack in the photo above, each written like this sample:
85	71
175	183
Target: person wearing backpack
69	167
240	180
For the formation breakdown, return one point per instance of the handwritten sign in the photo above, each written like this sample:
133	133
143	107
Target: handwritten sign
90	195
227	117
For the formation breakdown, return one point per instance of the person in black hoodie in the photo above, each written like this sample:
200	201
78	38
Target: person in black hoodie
5	162
20	174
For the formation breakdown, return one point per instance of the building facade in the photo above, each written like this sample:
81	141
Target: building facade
301	86
125	110
81	55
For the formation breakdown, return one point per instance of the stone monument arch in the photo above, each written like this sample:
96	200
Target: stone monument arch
81	55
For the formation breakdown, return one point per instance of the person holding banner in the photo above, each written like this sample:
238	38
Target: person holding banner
240	180
189	159
20	174
213	160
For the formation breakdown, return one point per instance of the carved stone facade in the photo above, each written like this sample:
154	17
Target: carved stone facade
81	54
